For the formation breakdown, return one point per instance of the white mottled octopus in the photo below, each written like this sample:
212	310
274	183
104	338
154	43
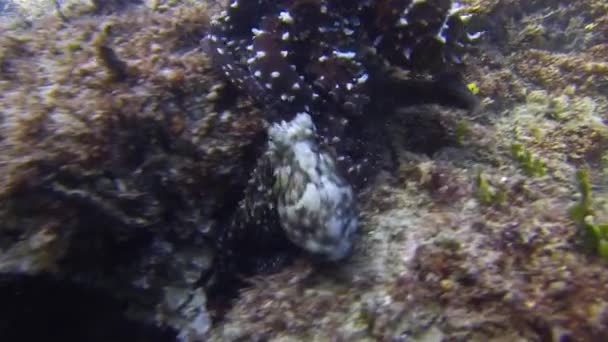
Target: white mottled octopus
321	61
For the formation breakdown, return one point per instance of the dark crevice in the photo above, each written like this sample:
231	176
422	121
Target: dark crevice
43	308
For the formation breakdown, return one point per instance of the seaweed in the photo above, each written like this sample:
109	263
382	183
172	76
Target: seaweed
593	235
530	165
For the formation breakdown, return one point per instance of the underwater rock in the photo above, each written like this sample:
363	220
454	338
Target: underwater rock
185	310
120	179
120	176
36	307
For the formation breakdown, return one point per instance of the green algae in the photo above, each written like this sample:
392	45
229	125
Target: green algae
487	194
530	165
594	235
461	131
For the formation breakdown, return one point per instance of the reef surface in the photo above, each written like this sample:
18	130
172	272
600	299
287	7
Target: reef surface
126	151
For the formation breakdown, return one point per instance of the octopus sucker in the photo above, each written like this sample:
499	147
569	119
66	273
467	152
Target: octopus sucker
319	69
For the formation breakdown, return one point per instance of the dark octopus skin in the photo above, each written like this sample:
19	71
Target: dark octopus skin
317	56
328	62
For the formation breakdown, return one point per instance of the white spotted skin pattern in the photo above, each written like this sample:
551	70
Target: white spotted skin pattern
316	206
317	56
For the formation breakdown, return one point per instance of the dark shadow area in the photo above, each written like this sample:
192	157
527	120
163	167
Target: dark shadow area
42	308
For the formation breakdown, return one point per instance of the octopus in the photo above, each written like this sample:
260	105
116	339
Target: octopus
320	70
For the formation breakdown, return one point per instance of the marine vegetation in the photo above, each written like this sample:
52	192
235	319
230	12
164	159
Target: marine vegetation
487	194
530	165
593	234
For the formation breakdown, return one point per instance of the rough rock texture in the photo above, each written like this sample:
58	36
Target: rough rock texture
124	153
